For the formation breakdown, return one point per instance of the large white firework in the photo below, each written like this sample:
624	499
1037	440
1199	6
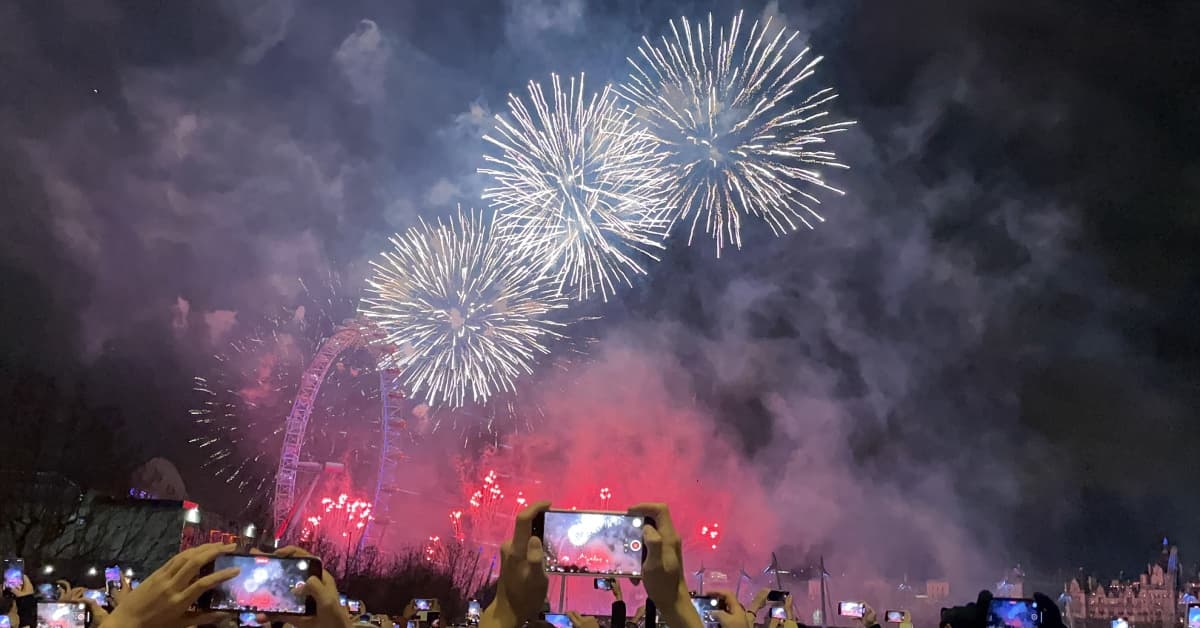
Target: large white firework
467	317
741	139
577	184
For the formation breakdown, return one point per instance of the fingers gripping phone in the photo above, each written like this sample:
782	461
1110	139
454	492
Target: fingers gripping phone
578	542
266	584
1009	612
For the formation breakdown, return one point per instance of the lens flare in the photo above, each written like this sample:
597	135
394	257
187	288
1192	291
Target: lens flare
741	139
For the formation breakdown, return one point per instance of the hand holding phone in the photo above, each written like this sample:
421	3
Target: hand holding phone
423	603
894	617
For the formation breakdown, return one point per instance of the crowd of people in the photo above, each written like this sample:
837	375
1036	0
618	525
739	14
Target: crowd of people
180	594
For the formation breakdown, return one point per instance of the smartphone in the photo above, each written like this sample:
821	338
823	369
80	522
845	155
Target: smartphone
249	619
777	596
112	579
559	620
474	610
778	612
47	592
133	584
354	606
1011	612
592	543
342	599
602	584
894	617
14	573
266	584
1120	622
852	609
423	603
705	605
96	595
5	622
1193	616
63	614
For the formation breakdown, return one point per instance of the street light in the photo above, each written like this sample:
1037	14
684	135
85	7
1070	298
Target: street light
92	571
48	569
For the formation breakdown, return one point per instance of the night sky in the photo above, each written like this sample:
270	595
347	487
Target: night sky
995	329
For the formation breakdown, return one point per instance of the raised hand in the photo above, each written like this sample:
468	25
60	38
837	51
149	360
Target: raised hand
523	584
166	597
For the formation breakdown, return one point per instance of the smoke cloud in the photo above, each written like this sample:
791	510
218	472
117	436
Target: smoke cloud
866	392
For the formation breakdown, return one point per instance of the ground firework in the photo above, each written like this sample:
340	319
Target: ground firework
741	140
466	315
577	183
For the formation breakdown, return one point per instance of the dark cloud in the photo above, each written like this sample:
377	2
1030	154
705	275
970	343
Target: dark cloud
1007	291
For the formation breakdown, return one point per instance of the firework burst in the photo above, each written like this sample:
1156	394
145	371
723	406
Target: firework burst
243	397
466	316
741	140
577	185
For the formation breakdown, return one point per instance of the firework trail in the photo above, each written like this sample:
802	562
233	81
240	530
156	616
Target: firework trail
740	139
577	185
466	315
243	398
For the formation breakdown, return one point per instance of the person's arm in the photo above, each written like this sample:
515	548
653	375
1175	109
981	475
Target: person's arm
663	574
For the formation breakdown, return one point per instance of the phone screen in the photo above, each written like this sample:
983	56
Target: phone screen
1007	612
353	606
602	584
47	592
249	619
112	577
778	612
559	620
592	542
423	604
895	617
133	584
62	615
266	584
97	596
851	609
1120	622
14	573
1193	615
705	605
5	622
473	609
